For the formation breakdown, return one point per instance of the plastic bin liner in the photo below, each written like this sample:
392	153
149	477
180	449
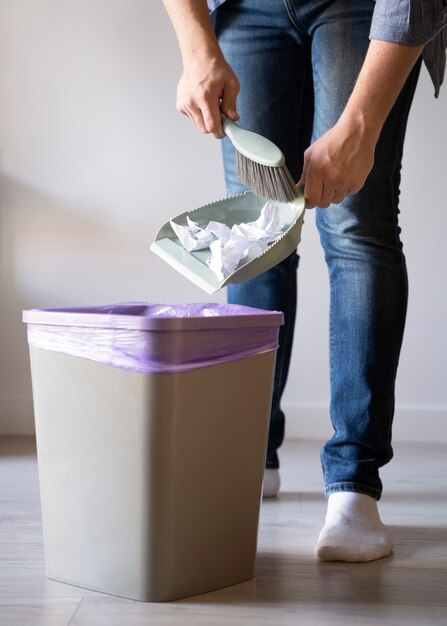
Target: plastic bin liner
154	338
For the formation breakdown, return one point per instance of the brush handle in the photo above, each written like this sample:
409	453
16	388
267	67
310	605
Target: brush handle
251	145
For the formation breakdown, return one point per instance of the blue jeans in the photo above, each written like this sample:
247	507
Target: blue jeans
297	61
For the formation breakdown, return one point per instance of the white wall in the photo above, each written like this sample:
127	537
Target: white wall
94	158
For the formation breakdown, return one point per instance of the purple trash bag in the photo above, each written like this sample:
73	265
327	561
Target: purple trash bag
156	338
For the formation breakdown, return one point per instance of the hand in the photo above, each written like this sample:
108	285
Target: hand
208	86
337	164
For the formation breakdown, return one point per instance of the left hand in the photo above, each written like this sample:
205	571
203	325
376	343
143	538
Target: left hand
336	165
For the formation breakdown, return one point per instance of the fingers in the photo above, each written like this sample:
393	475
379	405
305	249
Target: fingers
195	115
339	196
336	165
205	115
212	105
203	101
325	195
321	188
322	194
213	121
229	96
209	104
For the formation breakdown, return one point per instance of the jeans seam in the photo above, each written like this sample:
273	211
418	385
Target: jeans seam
286	335
280	364
293	18
331	330
331	348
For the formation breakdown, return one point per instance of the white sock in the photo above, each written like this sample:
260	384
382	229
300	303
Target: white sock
353	530
272	483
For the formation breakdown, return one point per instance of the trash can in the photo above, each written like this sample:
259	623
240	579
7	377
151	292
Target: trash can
151	428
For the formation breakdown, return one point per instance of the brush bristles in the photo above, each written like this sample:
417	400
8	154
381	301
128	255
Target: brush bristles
272	183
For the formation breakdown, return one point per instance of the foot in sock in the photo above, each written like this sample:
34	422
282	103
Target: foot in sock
353	530
272	483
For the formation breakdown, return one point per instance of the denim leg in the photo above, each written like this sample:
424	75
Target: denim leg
272	61
268	44
367	273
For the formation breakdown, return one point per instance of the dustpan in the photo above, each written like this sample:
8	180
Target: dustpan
242	208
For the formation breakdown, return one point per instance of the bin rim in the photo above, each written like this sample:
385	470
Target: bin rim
93	317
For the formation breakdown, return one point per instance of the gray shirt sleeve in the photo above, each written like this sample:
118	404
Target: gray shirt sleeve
408	22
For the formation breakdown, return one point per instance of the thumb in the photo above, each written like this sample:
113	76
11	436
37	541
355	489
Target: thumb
302	180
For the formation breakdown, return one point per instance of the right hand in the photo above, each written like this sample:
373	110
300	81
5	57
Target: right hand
208	86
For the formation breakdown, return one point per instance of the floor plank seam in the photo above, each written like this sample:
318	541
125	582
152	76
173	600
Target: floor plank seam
354	588
75	611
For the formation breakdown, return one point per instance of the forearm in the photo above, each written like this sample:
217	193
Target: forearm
384	72
208	85
338	163
193	27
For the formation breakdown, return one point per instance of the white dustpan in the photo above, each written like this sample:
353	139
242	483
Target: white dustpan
242	208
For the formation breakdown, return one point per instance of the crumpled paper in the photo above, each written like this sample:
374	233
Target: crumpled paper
231	247
192	237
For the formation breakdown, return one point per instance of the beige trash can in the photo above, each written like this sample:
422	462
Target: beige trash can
151	427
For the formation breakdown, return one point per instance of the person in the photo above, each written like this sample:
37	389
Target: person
331	83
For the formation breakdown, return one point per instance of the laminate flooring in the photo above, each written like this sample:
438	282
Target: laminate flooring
290	588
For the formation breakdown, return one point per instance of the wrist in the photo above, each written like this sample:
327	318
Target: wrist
201	49
362	124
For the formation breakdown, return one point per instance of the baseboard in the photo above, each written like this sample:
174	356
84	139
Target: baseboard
410	425
16	416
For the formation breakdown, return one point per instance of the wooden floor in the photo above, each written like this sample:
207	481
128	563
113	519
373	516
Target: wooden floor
409	587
